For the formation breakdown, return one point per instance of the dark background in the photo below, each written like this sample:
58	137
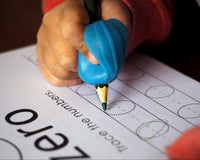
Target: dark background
20	21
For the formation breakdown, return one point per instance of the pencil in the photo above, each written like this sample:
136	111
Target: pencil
102	90
92	7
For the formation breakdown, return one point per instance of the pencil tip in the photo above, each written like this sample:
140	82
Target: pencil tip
104	105
102	90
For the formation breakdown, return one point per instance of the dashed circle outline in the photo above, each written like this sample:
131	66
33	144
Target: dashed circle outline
124	112
173	90
186	106
133	79
95	93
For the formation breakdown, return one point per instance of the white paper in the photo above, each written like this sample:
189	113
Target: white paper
149	106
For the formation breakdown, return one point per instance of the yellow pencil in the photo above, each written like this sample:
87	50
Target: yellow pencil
102	90
93	9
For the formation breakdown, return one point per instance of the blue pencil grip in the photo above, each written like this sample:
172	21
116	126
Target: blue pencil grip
107	41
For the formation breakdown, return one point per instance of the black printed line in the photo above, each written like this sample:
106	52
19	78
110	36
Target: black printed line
157	103
119	122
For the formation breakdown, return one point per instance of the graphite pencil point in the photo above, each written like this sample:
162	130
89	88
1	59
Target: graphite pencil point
104	105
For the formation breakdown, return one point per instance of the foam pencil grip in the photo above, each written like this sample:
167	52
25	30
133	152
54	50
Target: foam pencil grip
107	41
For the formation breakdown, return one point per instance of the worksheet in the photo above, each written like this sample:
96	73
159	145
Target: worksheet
149	106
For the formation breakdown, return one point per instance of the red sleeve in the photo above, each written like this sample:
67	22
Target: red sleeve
187	146
151	21
47	5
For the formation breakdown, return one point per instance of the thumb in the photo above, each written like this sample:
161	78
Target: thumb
82	48
74	34
116	9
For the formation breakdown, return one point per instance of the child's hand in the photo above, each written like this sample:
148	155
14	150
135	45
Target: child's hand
60	37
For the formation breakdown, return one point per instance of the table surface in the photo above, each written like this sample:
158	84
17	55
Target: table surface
21	19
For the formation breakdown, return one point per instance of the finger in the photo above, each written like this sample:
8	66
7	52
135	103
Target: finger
55	68
72	24
51	70
51	78
116	9
81	46
63	52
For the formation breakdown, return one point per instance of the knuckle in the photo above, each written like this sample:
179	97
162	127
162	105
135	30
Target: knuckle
40	34
73	23
69	63
45	19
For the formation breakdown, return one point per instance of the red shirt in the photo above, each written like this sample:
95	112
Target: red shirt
151	20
